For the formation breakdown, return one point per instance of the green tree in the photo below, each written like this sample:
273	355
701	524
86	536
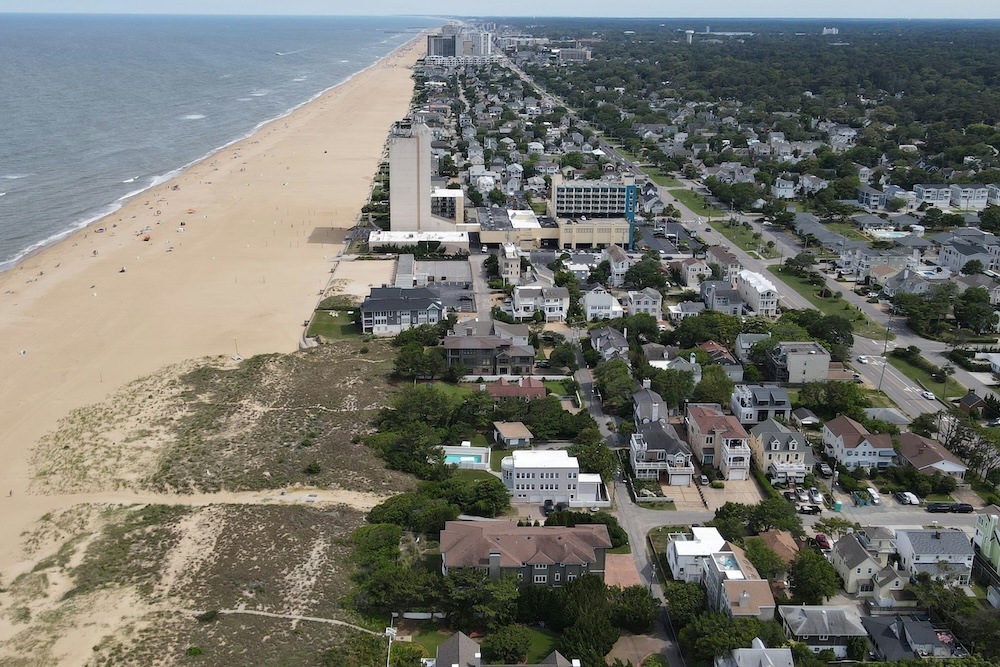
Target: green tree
584	621
972	267
674	386
767	563
713	634
836	527
774	514
974	311
615	383
731	521
593	455
633	608
685	600
564	356
705	326
507	645
715	386
812	578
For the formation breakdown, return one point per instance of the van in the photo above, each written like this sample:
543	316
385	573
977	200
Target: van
876	498
911	497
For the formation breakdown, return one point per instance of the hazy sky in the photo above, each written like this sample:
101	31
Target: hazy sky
642	8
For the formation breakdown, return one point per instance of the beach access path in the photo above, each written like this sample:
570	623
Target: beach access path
229	257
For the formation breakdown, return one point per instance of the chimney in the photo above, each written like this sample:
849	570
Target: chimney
692	359
937	534
647	384
575	662
744	600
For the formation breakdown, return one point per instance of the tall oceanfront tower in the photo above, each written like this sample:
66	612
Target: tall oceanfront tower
409	177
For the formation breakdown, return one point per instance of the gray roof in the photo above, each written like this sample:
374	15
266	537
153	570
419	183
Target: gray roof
941	542
822	621
770	430
768	394
663	437
851	551
394	299
459	649
891	635
644	400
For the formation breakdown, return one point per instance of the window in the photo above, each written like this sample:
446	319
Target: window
824	638
540	579
540	566
520	576
556	577
570	577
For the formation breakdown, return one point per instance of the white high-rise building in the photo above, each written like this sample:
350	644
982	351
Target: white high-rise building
409	177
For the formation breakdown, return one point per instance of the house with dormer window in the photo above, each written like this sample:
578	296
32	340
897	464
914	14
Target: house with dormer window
718	440
784	455
852	445
756	403
655	451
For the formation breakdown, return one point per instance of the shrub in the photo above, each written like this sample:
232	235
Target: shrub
313	468
208	616
194	650
717	484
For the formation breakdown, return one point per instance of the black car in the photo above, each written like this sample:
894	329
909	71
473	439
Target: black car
561	507
789	496
939	507
810	509
962	508
548	508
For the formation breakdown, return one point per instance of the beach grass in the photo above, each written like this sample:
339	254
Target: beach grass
696	203
332	324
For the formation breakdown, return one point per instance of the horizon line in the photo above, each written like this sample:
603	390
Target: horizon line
34	12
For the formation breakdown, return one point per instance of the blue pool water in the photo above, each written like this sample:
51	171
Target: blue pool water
463	458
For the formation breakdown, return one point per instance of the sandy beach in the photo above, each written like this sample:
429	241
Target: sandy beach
228	257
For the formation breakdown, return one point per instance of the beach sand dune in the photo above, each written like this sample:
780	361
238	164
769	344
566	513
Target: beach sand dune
230	256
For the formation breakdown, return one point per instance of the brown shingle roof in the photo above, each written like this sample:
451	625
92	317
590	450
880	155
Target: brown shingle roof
782	543
921	452
710	420
469	543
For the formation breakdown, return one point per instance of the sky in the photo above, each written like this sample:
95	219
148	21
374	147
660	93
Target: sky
955	9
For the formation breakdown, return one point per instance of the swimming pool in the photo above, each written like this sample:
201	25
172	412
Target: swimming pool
462	458
887	234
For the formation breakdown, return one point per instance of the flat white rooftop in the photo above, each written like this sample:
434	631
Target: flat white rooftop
409	238
706	541
523	219
544	458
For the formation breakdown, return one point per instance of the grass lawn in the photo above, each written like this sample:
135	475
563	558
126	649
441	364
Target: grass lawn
847	230
538	207
924	379
556	388
496	456
666	506
829	306
543	642
479	440
695	203
623	549
939	498
743	237
332	324
880	400
455	390
473	475
666	180
431	639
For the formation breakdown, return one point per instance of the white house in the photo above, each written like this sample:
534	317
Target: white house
686	553
600	304
966	196
944	554
646	301
620	264
655	450
758	293
534	476
783	189
553	302
852	445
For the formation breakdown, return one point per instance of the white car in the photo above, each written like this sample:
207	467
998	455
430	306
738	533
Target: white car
863	360
802	495
929	395
815	496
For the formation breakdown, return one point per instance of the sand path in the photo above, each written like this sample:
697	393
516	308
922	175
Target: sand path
238	248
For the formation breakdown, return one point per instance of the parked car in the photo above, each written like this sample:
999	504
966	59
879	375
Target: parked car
562	507
789	496
822	542
810	509
825	470
704	480
939	507
874	495
815	496
802	495
548	508
544	363
962	508
901	498
912	497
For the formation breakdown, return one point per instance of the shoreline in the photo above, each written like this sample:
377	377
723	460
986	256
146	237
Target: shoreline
227	256
177	172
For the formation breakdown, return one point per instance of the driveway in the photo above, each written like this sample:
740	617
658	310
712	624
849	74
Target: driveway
743	491
685	497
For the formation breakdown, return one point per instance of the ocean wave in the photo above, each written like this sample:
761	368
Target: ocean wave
242	99
14	177
300	78
193	116
259	93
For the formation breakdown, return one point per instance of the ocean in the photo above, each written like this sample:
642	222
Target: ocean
95	109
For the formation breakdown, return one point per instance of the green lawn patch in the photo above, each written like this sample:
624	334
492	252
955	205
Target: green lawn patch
479	440
538	207
667	505
924	379
695	202
473	475
496	456
666	180
939	498
543	642
847	230
455	390
742	237
332	324
863	325
556	388
880	400
623	549
431	639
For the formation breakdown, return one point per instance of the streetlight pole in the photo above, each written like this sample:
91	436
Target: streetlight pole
390	633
